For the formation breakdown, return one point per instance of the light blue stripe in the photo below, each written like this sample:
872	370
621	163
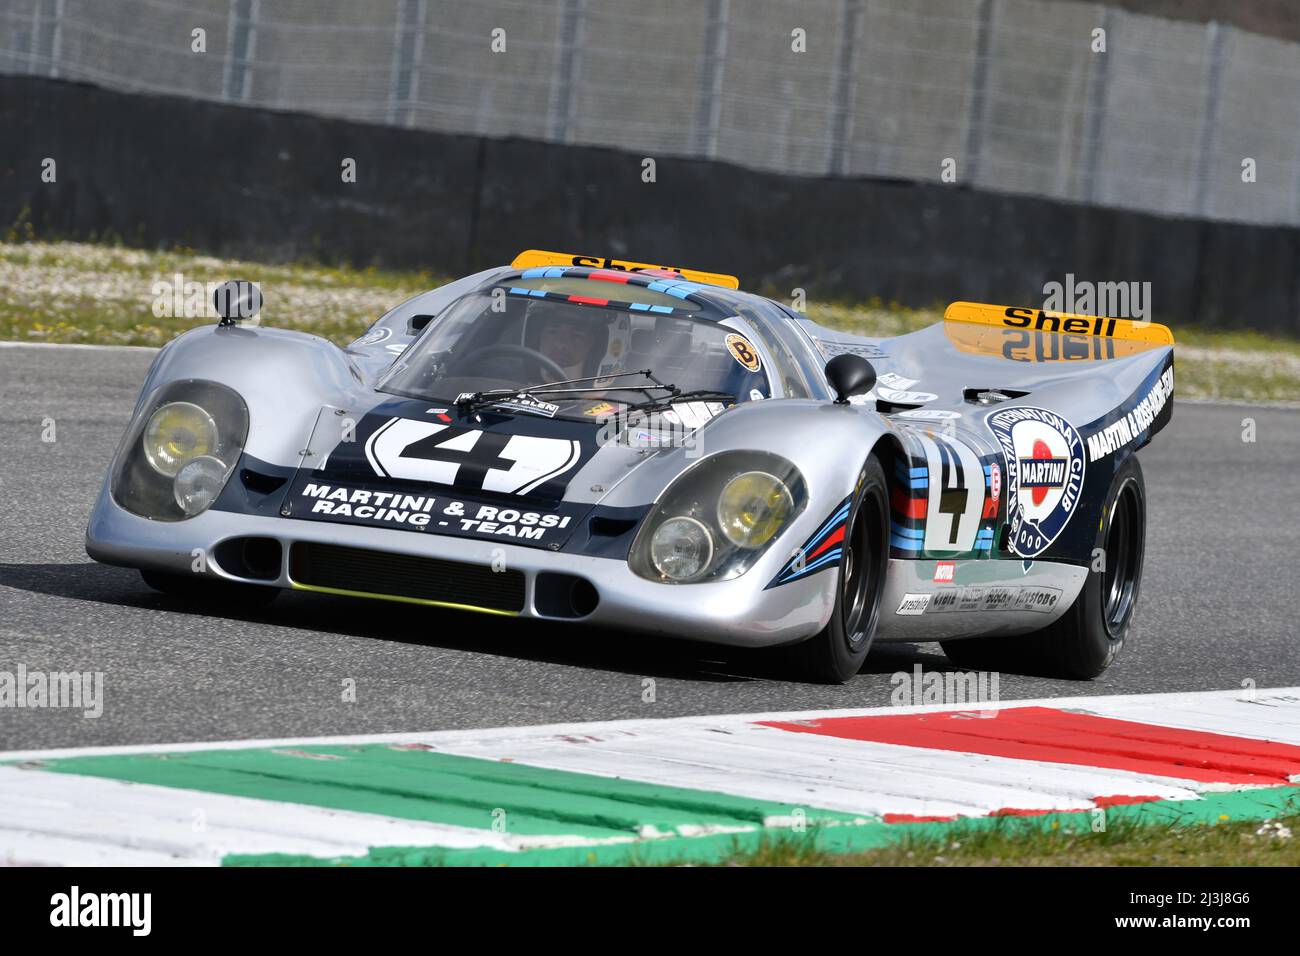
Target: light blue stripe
917	533
660	308
537	272
827	558
902	544
831	522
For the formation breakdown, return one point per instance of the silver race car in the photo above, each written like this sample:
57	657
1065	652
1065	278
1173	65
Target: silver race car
650	449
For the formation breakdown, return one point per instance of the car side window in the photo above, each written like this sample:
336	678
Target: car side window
792	377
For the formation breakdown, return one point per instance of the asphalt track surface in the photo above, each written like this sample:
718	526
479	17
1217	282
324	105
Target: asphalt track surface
1218	605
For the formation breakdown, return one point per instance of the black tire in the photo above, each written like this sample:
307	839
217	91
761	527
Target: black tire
1085	640
204	590
836	654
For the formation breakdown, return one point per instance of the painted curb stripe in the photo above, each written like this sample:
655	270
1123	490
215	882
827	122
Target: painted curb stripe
413	783
1045	734
88	821
686	788
1239	806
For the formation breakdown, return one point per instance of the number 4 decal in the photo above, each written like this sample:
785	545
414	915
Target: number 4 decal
956	502
468	458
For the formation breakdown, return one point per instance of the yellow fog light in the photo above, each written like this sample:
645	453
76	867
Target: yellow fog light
178	433
752	508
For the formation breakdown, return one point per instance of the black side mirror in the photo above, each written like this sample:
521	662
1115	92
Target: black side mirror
237	301
849	375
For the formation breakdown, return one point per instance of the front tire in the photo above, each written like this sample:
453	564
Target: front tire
1085	640
836	654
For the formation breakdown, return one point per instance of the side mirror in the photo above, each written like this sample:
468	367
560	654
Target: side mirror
237	301
849	375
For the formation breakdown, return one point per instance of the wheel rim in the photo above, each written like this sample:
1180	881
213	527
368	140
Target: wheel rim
862	577
1123	557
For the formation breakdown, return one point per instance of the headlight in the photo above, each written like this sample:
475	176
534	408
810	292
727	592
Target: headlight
752	508
176	433
198	483
180	450
717	517
681	548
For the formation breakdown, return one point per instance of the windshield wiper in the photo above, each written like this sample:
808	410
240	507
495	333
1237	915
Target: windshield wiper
468	401
697	395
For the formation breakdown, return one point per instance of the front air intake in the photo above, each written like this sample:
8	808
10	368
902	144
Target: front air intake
366	573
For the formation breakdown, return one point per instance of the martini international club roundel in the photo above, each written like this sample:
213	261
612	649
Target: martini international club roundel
1045	470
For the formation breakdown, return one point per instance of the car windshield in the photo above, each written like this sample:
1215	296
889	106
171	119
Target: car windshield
500	339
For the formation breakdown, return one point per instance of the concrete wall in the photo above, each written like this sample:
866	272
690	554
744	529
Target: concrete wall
1012	91
250	182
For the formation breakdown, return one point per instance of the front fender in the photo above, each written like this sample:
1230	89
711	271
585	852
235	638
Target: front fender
284	378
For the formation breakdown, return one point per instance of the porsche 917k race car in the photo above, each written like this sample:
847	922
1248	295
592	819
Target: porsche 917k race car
651	449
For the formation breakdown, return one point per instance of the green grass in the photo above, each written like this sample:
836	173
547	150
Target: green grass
1013	843
105	294
102	294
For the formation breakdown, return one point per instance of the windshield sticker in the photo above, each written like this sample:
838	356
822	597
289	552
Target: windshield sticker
604	408
743	351
528	404
692	414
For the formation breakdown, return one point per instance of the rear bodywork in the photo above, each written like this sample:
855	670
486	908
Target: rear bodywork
996	501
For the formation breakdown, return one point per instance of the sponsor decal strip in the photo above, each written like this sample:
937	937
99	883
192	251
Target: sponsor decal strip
684	789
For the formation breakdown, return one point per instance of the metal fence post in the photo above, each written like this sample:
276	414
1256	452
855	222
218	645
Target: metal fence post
979	93
1098	85
241	37
408	44
1216	37
838	130
47	38
708	110
568	67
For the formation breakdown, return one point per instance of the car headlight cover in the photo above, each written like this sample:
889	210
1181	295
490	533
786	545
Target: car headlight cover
180	450
752	508
176	433
716	518
681	548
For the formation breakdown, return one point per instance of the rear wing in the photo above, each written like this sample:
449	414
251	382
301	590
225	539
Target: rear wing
1036	320
532	258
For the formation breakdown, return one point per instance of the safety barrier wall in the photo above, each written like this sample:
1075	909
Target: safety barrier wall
160	170
1011	95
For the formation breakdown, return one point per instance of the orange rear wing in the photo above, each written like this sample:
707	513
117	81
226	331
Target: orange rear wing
1036	320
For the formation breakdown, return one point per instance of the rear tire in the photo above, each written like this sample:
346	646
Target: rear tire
204	590
836	654
1085	640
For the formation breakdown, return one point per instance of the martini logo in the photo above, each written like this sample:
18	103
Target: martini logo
1045	470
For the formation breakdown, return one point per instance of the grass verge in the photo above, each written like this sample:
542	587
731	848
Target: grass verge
1125	843
106	294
